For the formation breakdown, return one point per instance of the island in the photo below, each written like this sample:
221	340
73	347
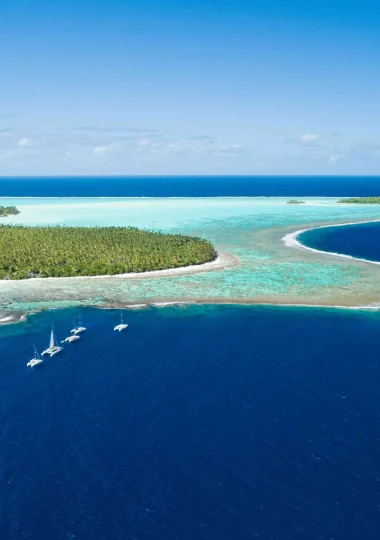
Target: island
60	251
295	201
360	200
8	211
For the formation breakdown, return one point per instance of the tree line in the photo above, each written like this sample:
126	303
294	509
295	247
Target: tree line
360	200
55	251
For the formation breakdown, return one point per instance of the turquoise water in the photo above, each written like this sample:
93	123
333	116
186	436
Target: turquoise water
248	228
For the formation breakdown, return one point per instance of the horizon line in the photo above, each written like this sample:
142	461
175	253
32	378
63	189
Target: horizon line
9	177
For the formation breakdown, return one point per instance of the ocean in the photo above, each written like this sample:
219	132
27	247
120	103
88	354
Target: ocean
192	186
214	422
208	422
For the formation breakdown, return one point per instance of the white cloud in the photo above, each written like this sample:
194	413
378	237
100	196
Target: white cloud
309	138
24	142
101	150
334	158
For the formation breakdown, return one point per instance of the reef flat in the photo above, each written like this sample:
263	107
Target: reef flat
261	268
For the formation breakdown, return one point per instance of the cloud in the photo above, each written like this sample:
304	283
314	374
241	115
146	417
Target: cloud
334	158
101	150
24	142
4	132
309	138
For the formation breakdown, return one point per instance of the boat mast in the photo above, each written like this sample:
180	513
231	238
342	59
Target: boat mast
52	338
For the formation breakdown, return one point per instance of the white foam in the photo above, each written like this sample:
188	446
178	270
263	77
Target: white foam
6	319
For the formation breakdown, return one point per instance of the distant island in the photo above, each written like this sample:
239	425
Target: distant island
360	200
295	201
54	251
8	211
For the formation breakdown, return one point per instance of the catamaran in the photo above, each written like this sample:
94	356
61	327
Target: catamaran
122	325
78	329
53	348
72	338
36	360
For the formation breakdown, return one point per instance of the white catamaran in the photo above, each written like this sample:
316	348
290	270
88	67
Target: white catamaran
72	338
53	348
77	329
36	360
121	326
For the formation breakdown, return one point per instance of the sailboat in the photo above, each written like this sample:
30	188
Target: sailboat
36	359
122	325
71	338
77	329
53	348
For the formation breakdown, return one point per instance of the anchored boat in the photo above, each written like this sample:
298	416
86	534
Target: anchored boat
36	360
78	329
72	338
53	348
122	326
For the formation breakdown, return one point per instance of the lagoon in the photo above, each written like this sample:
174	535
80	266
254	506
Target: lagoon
249	229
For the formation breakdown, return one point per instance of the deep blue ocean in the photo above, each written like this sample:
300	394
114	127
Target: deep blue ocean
200	422
361	241
192	186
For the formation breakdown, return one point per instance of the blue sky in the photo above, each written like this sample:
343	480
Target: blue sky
189	87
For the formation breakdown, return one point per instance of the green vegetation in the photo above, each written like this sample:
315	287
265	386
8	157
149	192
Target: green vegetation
8	211
361	200
94	251
294	201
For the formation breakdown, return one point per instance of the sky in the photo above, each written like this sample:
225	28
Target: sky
140	87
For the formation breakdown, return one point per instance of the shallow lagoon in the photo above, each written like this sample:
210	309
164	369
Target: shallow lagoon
251	229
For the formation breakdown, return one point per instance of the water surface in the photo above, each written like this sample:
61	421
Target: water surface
191	186
360	241
214	423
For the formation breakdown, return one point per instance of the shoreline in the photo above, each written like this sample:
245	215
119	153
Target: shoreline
21	317
282	239
223	260
290	240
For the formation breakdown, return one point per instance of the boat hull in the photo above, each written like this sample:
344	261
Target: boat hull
56	351
120	327
79	330
34	362
71	339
